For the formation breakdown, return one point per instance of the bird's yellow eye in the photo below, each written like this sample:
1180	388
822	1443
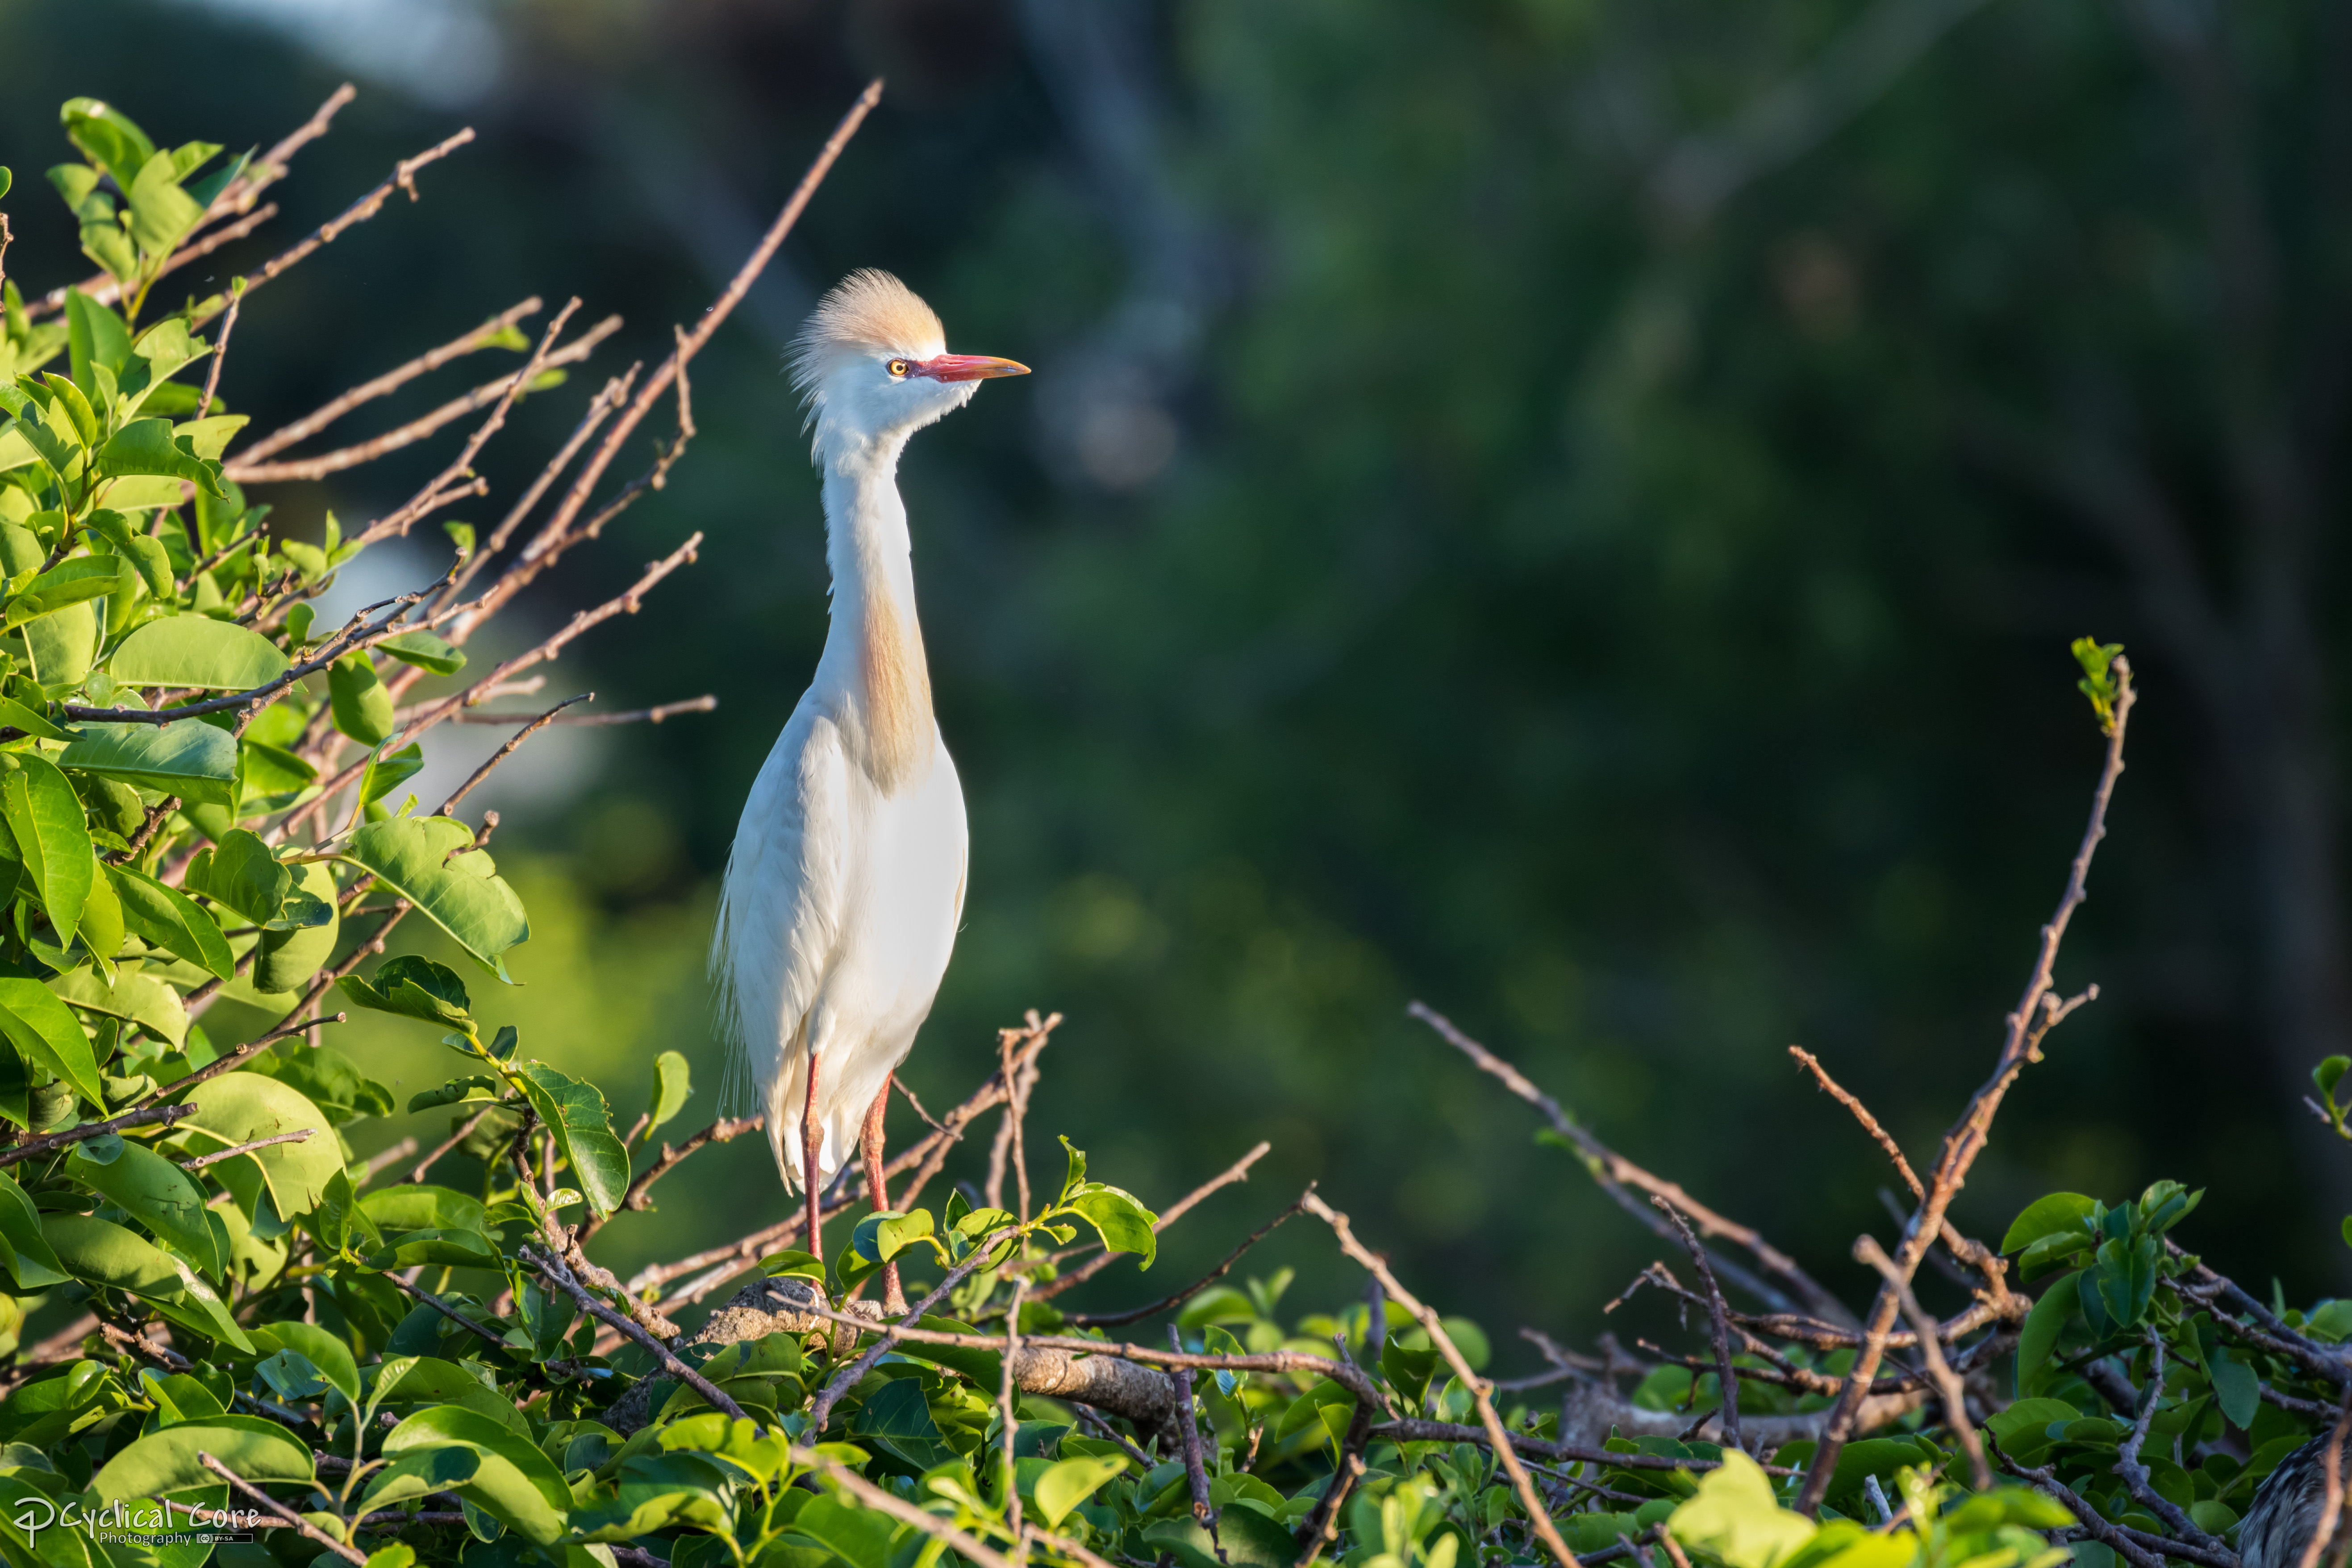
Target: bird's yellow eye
899	367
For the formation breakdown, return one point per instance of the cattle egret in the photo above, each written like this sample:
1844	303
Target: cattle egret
847	880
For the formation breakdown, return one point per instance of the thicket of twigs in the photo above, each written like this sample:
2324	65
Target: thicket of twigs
201	786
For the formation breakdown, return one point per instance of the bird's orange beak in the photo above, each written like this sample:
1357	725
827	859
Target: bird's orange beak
967	367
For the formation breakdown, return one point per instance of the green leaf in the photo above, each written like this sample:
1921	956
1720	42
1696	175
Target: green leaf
46	1031
46	818
107	136
514	1482
430	861
582	1125
416	1206
148	447
242	874
2050	1215
899	1417
166	1461
413	987
1735	1516
289	958
165	917
243	1107
449	1247
16	716
362	707
420	1472
145	1000
104	1253
673	1083
859	1536
24	1252
1122	1221
198	652
159	1195
1244	1539
1069	1483
331	1355
426	651
2236	1388
64	585
195	762
2044	1324
94	335
388	771
2328	1074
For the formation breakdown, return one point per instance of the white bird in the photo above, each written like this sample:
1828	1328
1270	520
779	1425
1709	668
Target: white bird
847	880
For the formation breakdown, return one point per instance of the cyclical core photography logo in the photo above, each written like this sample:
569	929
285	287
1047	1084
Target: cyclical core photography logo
136	1522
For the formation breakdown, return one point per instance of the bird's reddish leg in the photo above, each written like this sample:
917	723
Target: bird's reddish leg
810	1182
894	1299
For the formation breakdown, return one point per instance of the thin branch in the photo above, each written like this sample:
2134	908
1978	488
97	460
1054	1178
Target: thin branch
1615	1174
562	1278
449	806
1236	1172
298	1135
1974	1253
138	1116
633	716
402	177
446	1311
464	1131
220	357
724	1131
847	1379
2037	1008
249	470
549	541
390	381
1112	1320
1539	1517
1188	1425
1947	1382
254	1494
1719	1329
229	1060
1009	1488
2045	1482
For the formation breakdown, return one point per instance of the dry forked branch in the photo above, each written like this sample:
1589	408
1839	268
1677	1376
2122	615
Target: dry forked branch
1621	1178
2033	1019
487	334
249	470
1971	1252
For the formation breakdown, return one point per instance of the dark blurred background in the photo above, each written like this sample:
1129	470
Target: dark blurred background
1573	510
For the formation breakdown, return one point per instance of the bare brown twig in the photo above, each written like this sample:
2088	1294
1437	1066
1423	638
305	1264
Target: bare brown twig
1616	1175
2037	1011
1538	1516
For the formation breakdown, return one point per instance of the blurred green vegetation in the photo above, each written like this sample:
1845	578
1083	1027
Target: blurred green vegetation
1502	518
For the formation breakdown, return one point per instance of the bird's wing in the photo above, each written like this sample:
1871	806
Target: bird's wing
780	912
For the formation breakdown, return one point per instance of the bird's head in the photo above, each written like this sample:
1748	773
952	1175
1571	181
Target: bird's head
872	362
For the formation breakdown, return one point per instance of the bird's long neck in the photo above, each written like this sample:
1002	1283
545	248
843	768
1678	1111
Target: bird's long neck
873	665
